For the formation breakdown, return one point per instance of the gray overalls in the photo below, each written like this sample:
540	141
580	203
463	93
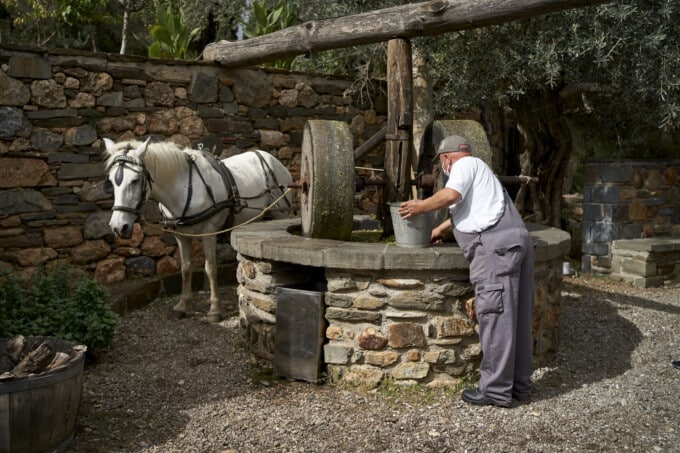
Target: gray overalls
502	272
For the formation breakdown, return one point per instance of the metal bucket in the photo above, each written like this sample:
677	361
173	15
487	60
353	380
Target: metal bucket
413	232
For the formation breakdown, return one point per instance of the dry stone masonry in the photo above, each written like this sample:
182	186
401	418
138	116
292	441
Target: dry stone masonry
56	106
631	220
392	312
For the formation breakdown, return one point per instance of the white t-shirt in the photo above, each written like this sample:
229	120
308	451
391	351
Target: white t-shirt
483	199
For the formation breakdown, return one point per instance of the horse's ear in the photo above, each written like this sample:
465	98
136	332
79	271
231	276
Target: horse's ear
109	144
143	147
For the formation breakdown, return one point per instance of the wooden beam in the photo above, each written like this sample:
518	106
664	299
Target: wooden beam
399	120
407	21
376	138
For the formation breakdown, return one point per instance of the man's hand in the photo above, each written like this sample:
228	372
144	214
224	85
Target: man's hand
410	208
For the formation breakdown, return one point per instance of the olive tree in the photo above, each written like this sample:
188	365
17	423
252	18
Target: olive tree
600	81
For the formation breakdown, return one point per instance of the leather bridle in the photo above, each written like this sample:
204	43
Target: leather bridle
128	162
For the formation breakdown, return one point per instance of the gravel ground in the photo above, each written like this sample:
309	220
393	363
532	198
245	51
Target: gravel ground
170	385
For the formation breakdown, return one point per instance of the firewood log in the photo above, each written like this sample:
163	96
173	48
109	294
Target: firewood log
35	362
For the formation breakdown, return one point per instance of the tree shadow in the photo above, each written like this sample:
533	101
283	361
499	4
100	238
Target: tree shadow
596	341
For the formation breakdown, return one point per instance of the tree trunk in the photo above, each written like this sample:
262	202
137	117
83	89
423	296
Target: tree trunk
124	32
543	147
430	18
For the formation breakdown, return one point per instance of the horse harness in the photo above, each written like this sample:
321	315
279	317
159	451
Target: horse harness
235	201
124	161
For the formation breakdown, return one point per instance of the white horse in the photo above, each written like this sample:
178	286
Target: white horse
196	195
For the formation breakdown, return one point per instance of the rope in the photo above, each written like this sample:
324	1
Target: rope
235	226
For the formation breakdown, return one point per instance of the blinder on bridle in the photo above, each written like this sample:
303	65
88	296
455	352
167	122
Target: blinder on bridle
124	161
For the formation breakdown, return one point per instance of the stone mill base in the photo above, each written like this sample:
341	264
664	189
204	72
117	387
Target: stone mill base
391	312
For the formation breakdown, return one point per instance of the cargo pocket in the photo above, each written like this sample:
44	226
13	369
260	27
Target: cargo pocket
507	259
489	298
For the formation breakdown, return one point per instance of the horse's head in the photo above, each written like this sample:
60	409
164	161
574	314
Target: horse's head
129	182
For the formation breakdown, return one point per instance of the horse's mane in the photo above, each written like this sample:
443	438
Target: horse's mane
164	160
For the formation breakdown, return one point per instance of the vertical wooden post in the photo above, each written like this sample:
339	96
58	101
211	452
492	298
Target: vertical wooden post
399	124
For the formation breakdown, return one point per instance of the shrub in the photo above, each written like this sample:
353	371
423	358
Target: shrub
171	35
57	304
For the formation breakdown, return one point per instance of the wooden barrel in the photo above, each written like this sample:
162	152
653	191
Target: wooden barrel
38	413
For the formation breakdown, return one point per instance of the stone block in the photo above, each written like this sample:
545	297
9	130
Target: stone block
12	91
341	314
29	66
638	267
338	354
616	172
382	359
595	248
452	326
362	376
80	171
605	194
593	212
648	282
630	231
367	302
411	370
668	244
339	300
616	212
416	300
586	264
25	173
637	211
406	334
371	339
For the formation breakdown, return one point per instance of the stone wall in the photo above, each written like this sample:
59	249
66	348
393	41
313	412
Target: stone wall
55	108
627	200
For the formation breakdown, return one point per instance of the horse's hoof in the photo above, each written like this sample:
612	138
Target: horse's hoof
214	318
179	314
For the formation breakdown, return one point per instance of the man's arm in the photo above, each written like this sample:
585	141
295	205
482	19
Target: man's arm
443	198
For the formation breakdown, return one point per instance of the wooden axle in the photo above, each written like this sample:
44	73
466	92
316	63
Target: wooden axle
361	182
424	181
428	180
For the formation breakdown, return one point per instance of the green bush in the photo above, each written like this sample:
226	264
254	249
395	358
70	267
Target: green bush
57	304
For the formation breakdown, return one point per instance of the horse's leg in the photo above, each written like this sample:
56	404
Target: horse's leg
210	252
184	244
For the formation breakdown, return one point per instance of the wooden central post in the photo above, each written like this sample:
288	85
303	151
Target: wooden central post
399	125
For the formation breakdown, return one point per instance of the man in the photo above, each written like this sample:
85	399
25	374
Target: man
496	243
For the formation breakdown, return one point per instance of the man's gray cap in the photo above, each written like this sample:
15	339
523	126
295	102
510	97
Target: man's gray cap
452	144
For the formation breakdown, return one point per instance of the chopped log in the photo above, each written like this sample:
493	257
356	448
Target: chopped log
15	347
407	21
60	358
21	356
35	361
